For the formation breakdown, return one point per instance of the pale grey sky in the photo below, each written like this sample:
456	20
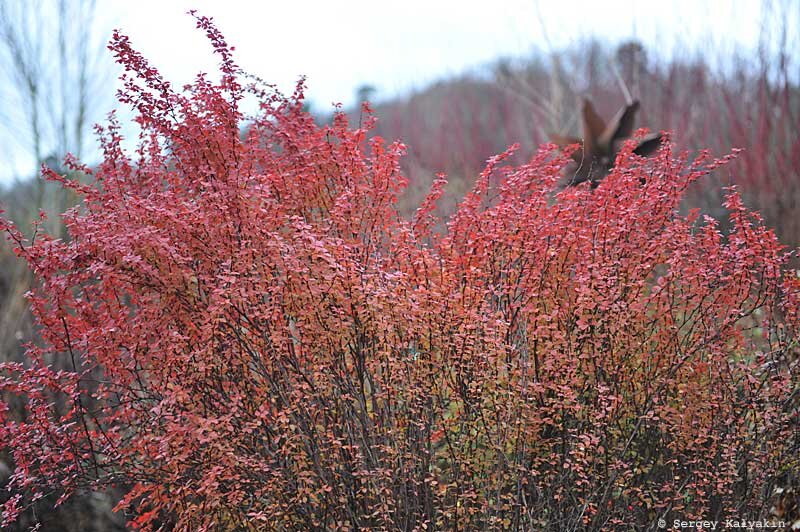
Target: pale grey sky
397	46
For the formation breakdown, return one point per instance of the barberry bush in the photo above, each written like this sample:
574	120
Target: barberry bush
243	333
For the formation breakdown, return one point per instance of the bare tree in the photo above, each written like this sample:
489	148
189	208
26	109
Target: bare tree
54	67
54	76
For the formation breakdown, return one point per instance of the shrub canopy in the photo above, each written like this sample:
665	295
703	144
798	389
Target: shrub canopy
243	332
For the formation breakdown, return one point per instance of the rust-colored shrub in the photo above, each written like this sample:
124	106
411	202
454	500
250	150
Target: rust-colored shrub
258	340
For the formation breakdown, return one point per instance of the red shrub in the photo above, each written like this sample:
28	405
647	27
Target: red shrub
256	339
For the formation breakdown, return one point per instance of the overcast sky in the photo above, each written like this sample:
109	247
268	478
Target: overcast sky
399	46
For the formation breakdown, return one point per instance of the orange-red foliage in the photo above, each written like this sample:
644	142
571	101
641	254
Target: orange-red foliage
259	341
